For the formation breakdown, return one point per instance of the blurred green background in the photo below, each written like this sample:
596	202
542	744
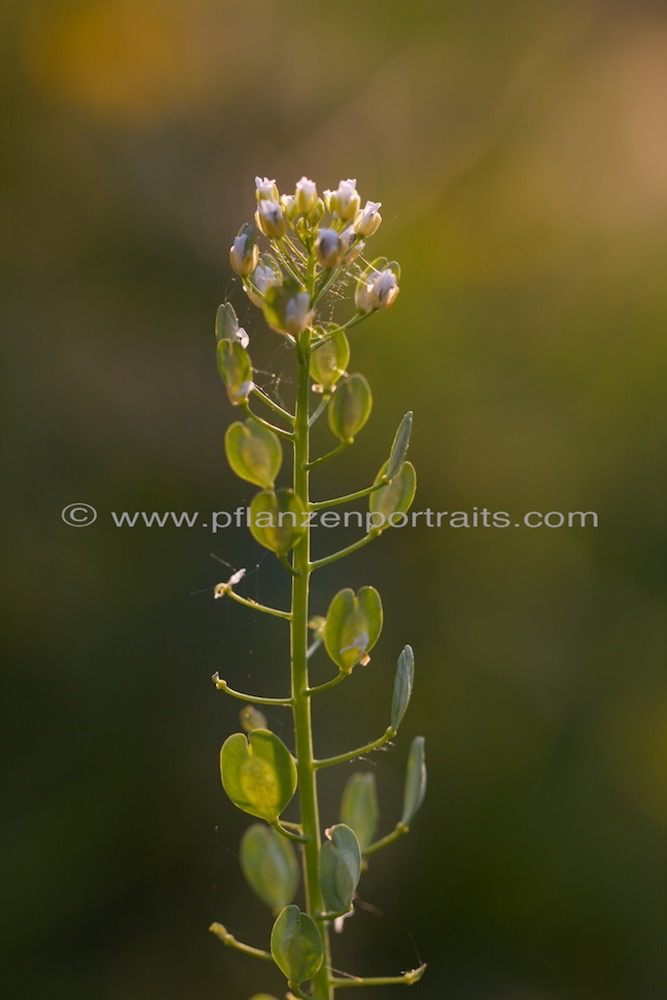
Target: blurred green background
520	153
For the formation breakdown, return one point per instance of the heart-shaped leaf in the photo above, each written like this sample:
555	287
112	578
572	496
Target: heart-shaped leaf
296	945
350	407
258	773
328	362
352	626
405	672
254	452
415	781
277	520
235	370
395	498
340	868
399	448
359	807
270	866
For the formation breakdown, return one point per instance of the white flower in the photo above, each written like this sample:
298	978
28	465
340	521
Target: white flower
329	248
242	337
368	219
266	189
306	195
345	200
289	206
378	291
243	254
270	218
298	314
265	277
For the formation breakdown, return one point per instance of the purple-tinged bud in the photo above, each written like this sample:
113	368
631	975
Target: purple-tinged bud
270	219
367	220
244	252
329	248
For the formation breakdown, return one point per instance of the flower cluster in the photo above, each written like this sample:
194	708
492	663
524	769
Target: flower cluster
313	240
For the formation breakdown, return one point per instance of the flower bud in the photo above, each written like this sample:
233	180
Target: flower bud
306	195
265	189
289	206
367	220
287	308
244	252
316	213
329	248
378	291
344	201
270	218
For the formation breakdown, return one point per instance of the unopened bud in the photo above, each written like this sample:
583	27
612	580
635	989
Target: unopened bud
316	214
306	195
270	219
264	276
244	252
266	189
344	201
329	248
289	206
352	244
367	220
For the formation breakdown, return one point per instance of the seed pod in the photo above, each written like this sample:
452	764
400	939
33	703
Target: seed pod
340	868
296	945
350	407
394	498
359	807
235	370
353	626
270	866
277	520
254	452
403	681
258	773
328	362
400	445
415	781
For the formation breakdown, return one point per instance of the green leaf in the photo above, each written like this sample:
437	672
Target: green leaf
352	626
394	498
359	807
270	866
296	945
251	718
415	781
399	448
277	520
350	407
226	322
340	868
258	773
405	672
253	452
235	370
328	362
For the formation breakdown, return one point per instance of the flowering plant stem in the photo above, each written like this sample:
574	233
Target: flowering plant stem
259	773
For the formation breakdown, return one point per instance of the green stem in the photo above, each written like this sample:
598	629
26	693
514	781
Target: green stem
222	685
265	398
301	704
335	556
226	590
399	831
342	758
407	979
321	504
287	435
330	454
223	934
327	685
